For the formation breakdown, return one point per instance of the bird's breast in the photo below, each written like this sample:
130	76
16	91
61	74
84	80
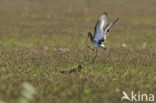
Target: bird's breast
96	44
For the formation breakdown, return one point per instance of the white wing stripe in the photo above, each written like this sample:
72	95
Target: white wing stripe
99	32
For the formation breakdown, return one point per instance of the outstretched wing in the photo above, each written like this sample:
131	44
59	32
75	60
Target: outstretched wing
99	28
106	29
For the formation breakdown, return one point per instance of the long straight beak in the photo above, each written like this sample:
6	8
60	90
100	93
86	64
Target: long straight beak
87	38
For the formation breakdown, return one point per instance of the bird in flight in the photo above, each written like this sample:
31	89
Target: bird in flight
100	33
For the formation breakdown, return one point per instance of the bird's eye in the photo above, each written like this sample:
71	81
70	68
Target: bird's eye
107	30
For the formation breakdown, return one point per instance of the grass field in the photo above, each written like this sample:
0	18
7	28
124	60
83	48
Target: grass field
39	38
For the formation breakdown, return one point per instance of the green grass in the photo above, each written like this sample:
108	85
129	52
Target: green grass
26	27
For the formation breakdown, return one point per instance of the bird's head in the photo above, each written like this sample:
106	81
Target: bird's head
89	35
79	67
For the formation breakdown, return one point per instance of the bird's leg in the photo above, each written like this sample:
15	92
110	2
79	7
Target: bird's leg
104	48
90	47
95	54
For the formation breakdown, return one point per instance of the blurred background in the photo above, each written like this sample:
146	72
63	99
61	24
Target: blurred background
38	38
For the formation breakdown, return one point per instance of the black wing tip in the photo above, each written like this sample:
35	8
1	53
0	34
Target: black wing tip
105	13
116	19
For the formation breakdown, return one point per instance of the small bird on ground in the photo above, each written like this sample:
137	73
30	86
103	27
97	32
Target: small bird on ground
78	69
100	33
